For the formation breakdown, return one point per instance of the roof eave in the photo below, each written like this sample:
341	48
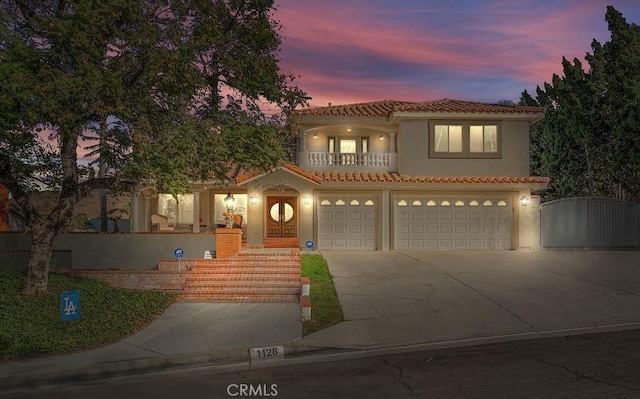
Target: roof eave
529	117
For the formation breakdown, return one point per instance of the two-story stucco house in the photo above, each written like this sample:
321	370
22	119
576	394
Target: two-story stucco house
444	174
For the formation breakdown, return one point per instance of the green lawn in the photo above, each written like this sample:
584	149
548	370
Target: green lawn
325	307
31	326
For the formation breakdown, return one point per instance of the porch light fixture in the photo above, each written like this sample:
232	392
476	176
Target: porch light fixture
315	135
253	199
306	200
230	202
381	136
524	200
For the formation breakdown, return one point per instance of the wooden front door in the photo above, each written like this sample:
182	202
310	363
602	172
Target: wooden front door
282	216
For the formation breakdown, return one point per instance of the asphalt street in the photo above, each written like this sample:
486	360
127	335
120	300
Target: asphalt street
603	365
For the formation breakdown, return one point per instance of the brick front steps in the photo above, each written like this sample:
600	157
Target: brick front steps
245	277
281	242
259	276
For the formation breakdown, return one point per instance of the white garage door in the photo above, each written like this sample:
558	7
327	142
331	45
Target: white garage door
347	222
428	222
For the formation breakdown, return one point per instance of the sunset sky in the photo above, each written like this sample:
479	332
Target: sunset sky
347	51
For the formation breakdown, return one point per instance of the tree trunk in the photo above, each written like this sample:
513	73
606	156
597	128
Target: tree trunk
102	173
104	221
44	230
39	259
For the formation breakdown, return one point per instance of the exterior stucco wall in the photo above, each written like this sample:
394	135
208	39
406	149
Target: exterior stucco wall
413	148
106	251
529	221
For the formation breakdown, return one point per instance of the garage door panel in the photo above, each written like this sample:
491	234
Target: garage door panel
403	216
326	215
431	244
417	216
446	243
431	216
474	243
460	244
460	229
460	216
438	222
488	216
340	215
348	222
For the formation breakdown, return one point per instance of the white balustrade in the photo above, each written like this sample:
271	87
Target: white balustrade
376	159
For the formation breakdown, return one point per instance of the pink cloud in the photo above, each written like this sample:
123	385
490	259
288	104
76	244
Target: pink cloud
364	51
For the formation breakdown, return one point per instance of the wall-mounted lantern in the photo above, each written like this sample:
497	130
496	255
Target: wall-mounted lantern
306	200
253	199
524	200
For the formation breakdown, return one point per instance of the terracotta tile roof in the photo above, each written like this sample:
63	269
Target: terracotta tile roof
242	175
387	107
371	109
457	106
392	177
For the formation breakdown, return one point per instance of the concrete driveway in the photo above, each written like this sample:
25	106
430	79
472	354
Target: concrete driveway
396	298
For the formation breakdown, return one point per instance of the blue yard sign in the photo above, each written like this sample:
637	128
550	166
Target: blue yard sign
179	253
70	305
309	244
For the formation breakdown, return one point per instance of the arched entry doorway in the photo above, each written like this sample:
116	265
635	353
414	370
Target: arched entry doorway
282	216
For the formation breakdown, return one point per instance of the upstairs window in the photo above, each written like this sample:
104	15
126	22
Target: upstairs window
483	138
467	139
448	138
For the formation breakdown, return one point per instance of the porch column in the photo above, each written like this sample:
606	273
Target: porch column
303	159
392	141
196	212
303	140
134	217
147	213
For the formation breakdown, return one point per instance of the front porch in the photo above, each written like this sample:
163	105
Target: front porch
272	210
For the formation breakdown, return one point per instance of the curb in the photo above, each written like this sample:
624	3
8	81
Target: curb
31	379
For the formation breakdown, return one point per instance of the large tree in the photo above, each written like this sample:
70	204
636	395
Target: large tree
184	80
589	142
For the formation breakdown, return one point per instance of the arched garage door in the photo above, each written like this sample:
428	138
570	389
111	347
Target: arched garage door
347	222
428	222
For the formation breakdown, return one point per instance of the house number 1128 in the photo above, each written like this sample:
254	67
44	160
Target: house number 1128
268	352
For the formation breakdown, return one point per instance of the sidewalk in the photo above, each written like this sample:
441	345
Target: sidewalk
187	334
392	300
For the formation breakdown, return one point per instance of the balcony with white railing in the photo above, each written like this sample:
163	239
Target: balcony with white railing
362	151
373	161
338	159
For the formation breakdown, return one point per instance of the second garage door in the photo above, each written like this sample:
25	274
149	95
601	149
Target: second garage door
347	222
428	222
